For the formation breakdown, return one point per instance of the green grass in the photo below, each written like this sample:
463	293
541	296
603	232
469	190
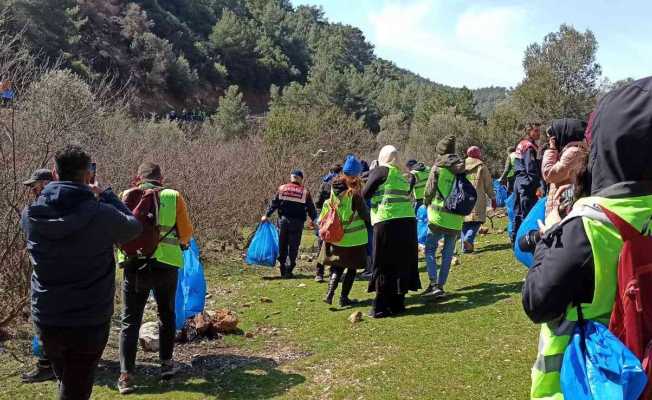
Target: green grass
476	344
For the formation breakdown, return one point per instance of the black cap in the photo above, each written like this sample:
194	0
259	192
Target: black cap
411	163
298	173
39	175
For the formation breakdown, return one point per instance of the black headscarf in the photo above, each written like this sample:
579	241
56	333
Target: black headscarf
567	130
621	149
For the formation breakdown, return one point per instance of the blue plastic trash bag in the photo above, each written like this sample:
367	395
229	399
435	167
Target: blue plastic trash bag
509	206
501	193
263	249
37	347
191	286
607	371
538	212
422	224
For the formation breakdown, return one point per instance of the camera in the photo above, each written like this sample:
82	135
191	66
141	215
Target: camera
528	243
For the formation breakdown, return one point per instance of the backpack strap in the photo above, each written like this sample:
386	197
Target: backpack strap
626	230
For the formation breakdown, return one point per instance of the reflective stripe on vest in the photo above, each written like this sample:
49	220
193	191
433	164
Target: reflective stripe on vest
168	251
355	231
437	215
606	245
420	185
392	199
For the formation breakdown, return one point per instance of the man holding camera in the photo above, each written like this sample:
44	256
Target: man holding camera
158	274
71	229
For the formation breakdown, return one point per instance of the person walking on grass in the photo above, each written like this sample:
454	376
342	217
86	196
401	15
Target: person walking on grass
324	194
158	275
418	178
442	225
43	370
294	204
395	269
71	230
350	253
480	177
528	175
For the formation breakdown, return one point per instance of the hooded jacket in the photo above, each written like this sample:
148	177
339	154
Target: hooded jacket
70	239
480	177
564	271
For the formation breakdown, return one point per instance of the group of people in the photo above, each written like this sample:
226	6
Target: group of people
377	207
72	226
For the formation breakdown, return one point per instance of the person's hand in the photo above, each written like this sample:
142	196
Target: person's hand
263	218
552	219
552	143
311	225
96	187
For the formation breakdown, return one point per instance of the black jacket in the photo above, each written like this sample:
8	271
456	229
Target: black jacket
292	209
70	238
563	272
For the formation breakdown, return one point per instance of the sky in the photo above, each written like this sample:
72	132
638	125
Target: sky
481	43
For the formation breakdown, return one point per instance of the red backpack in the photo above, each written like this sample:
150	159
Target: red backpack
331	229
144	204
631	319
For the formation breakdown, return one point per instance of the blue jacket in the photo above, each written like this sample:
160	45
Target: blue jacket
70	238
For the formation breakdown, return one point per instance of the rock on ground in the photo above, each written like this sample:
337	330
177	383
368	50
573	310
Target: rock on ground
148	336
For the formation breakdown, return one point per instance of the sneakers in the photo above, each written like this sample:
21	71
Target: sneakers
168	369
319	278
126	384
468	247
41	373
434	291
438	292
429	290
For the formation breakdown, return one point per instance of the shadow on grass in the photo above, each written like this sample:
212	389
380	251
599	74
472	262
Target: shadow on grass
226	376
493	247
296	277
465	298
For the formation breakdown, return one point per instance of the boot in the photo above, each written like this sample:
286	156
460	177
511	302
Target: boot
334	280
347	284
319	273
282	268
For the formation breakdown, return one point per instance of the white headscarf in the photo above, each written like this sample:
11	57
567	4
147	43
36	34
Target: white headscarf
388	156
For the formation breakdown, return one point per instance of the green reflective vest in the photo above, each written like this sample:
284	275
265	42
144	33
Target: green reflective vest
392	198
355	231
169	249
437	214
419	189
606	245
512	165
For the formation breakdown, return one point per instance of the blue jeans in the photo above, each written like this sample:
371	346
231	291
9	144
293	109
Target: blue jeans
432	242
470	230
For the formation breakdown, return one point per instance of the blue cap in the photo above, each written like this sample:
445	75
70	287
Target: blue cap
297	172
352	166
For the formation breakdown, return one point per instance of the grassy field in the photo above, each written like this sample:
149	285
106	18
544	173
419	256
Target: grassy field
475	344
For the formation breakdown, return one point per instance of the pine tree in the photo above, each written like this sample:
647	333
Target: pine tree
231	115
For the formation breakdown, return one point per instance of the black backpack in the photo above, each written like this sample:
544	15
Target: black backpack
462	198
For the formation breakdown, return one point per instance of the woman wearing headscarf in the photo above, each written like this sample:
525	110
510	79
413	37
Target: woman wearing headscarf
479	175
395	250
565	161
350	253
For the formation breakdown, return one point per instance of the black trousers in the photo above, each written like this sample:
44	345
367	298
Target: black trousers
289	241
522	206
162	280
74	353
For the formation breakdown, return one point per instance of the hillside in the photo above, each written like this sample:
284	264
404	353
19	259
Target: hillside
185	53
